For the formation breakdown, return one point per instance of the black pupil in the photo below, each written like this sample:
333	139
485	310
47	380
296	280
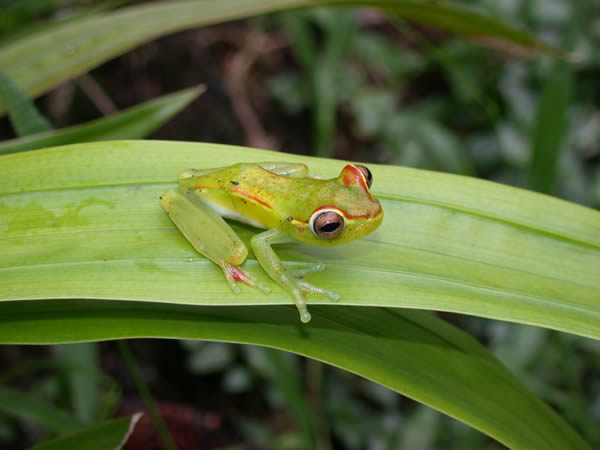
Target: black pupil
330	227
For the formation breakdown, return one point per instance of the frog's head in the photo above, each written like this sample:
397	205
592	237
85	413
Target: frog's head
345	211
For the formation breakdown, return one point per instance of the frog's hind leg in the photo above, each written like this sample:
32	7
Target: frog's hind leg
292	170
190	173
211	236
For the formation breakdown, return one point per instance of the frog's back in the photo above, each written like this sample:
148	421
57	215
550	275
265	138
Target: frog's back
249	193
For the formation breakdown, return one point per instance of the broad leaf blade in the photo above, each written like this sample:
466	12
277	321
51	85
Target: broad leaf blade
43	60
84	221
411	352
132	123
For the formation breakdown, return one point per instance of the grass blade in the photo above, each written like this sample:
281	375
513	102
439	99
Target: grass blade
22	112
132	123
464	22
550	126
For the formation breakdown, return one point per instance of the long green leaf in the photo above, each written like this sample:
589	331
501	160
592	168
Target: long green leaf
22	112
43	60
411	352
84	221
132	123
549	129
111	434
465	22
550	124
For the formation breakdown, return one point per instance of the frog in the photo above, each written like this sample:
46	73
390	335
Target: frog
278	197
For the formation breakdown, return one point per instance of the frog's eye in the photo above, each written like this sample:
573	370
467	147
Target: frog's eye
367	174
327	224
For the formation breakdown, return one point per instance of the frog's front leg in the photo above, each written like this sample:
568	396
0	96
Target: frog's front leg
211	236
270	262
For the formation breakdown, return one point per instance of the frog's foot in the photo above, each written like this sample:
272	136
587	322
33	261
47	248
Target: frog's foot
234	273
300	289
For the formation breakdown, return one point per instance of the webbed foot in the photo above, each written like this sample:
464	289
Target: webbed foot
300	289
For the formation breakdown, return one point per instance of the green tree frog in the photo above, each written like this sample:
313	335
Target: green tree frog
281	198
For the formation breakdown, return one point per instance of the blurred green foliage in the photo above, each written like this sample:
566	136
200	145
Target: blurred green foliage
424	99
415	97
16	13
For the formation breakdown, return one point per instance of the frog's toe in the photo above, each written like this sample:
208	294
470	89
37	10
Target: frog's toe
256	284
235	273
305	315
301	289
300	273
308	289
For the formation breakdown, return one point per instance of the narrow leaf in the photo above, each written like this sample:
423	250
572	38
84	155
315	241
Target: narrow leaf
132	123
464	22
22	112
411	352
550	126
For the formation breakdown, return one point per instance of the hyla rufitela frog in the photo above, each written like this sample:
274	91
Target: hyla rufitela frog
281	198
